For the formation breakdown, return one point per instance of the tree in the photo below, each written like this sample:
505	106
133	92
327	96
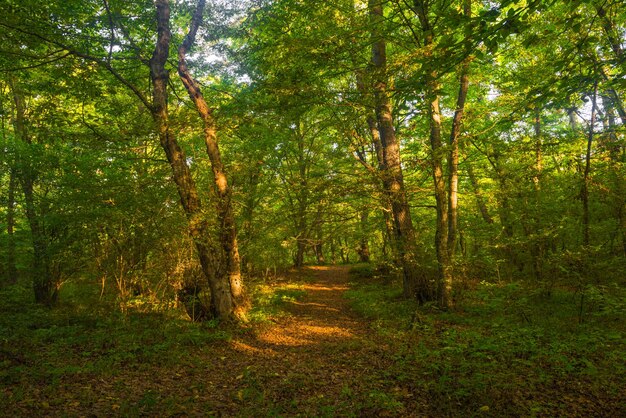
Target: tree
228	232
222	304
393	181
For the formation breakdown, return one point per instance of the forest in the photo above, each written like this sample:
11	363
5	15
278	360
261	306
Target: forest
313	208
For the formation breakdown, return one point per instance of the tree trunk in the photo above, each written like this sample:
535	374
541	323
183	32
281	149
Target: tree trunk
364	249
385	201
11	267
453	171
441	233
573	119
319	253
222	304
584	193
45	286
319	239
300	205
247	227
228	231
444	282
453	162
316	228
333	251
610	30
480	202
536	246
504	211
616	162
300	248
388	235
393	182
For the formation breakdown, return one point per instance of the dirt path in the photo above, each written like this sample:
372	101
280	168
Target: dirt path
321	360
323	317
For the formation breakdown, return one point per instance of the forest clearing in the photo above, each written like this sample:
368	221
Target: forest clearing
313	208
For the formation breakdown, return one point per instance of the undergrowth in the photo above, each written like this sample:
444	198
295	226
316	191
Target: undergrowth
508	349
38	344
269	300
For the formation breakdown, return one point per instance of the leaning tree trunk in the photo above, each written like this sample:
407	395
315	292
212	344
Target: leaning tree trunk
228	231
393	182
222	304
453	174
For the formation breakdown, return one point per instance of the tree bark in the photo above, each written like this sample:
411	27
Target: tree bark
364	249
453	156
45	285
480	202
531	219
388	235
302	196
444	284
616	162
610	31
444	266
228	230
504	210
11	267
453	172
319	251
584	193
318	246
247	227
298	261
414	284
453	162
222	304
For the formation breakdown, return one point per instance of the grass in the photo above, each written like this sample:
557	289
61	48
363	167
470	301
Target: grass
270	301
508	350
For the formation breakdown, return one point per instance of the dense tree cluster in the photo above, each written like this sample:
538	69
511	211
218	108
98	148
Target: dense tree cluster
163	149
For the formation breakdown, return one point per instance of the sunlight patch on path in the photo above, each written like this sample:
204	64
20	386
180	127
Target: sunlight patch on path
248	349
330	331
284	339
321	319
318	287
316	305
297	335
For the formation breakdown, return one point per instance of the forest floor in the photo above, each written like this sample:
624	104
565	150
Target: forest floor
315	356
